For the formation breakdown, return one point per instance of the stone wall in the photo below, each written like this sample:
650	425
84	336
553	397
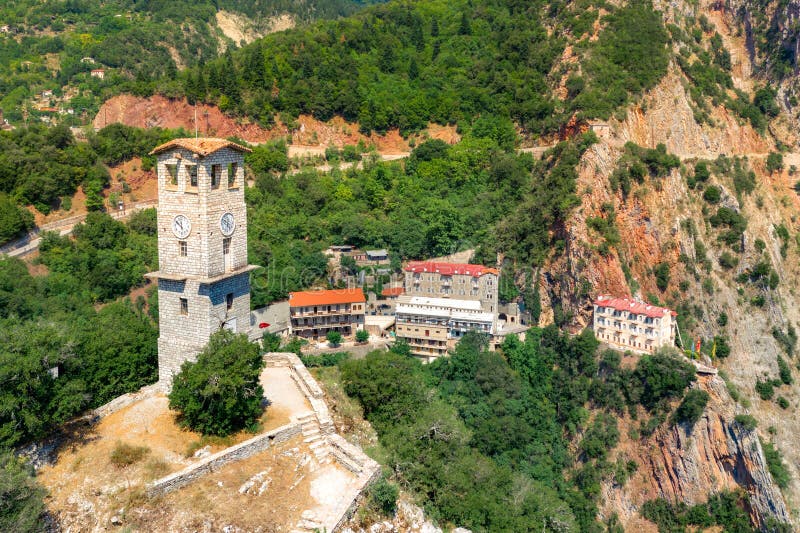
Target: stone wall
240	451
345	454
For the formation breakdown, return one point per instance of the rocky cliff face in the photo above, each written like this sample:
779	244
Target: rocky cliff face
661	221
683	463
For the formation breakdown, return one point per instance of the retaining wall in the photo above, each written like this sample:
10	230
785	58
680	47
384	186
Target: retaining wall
213	462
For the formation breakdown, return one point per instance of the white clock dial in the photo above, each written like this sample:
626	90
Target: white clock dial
227	224
181	226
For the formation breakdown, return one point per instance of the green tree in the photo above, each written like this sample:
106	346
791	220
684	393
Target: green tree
220	393
334	337
362	335
22	506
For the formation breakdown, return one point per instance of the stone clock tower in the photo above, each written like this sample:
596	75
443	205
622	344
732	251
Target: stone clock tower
203	275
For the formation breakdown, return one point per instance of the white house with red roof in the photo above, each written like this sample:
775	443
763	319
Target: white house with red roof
630	324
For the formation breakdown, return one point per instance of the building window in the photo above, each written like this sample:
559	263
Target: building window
191	170
229	301
226	246
172	174
216	172
232	170
184	306
183	248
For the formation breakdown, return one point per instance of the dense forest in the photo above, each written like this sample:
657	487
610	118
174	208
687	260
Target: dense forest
501	441
53	45
52	326
401	65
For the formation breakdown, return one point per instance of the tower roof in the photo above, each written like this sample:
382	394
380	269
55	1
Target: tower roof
202	146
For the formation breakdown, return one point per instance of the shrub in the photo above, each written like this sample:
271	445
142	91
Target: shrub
662	375
727	260
383	496
328	359
362	335
692	406
712	194
765	389
220	393
746	421
661	272
784	371
774	458
334	337
783	402
774	162
22	506
722	319
125	454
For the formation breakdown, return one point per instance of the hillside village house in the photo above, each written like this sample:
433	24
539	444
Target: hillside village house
629	324
314	313
443	301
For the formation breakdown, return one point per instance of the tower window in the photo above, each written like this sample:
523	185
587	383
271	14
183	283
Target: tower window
226	246
184	306
232	170
183	248
172	174
192	171
216	172
229	301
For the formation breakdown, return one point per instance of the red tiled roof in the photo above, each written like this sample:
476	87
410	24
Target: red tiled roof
633	306
393	291
336	296
449	269
202	146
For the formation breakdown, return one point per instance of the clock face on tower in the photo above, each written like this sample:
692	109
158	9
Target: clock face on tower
181	226
227	224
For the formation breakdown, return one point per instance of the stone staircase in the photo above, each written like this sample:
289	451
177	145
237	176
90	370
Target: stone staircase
313	437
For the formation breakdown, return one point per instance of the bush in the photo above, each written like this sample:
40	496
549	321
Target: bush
220	393
774	458
662	376
22	506
692	406
661	272
765	389
746	421
774	162
328	359
362	335
383	496
125	454
334	338
727	260
784	371
712	194
783	402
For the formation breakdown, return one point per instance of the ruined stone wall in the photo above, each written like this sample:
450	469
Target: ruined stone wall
209	464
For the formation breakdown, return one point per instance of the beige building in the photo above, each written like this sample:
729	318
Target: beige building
203	276
433	279
628	324
314	313
432	326
443	301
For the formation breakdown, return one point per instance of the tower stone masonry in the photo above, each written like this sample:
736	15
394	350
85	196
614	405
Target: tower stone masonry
203	276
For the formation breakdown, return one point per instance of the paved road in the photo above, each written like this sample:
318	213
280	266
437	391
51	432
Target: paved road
30	242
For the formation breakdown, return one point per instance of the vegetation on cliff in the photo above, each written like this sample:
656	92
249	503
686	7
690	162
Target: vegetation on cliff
402	65
498	428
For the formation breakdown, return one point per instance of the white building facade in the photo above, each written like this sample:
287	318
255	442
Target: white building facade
629	324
